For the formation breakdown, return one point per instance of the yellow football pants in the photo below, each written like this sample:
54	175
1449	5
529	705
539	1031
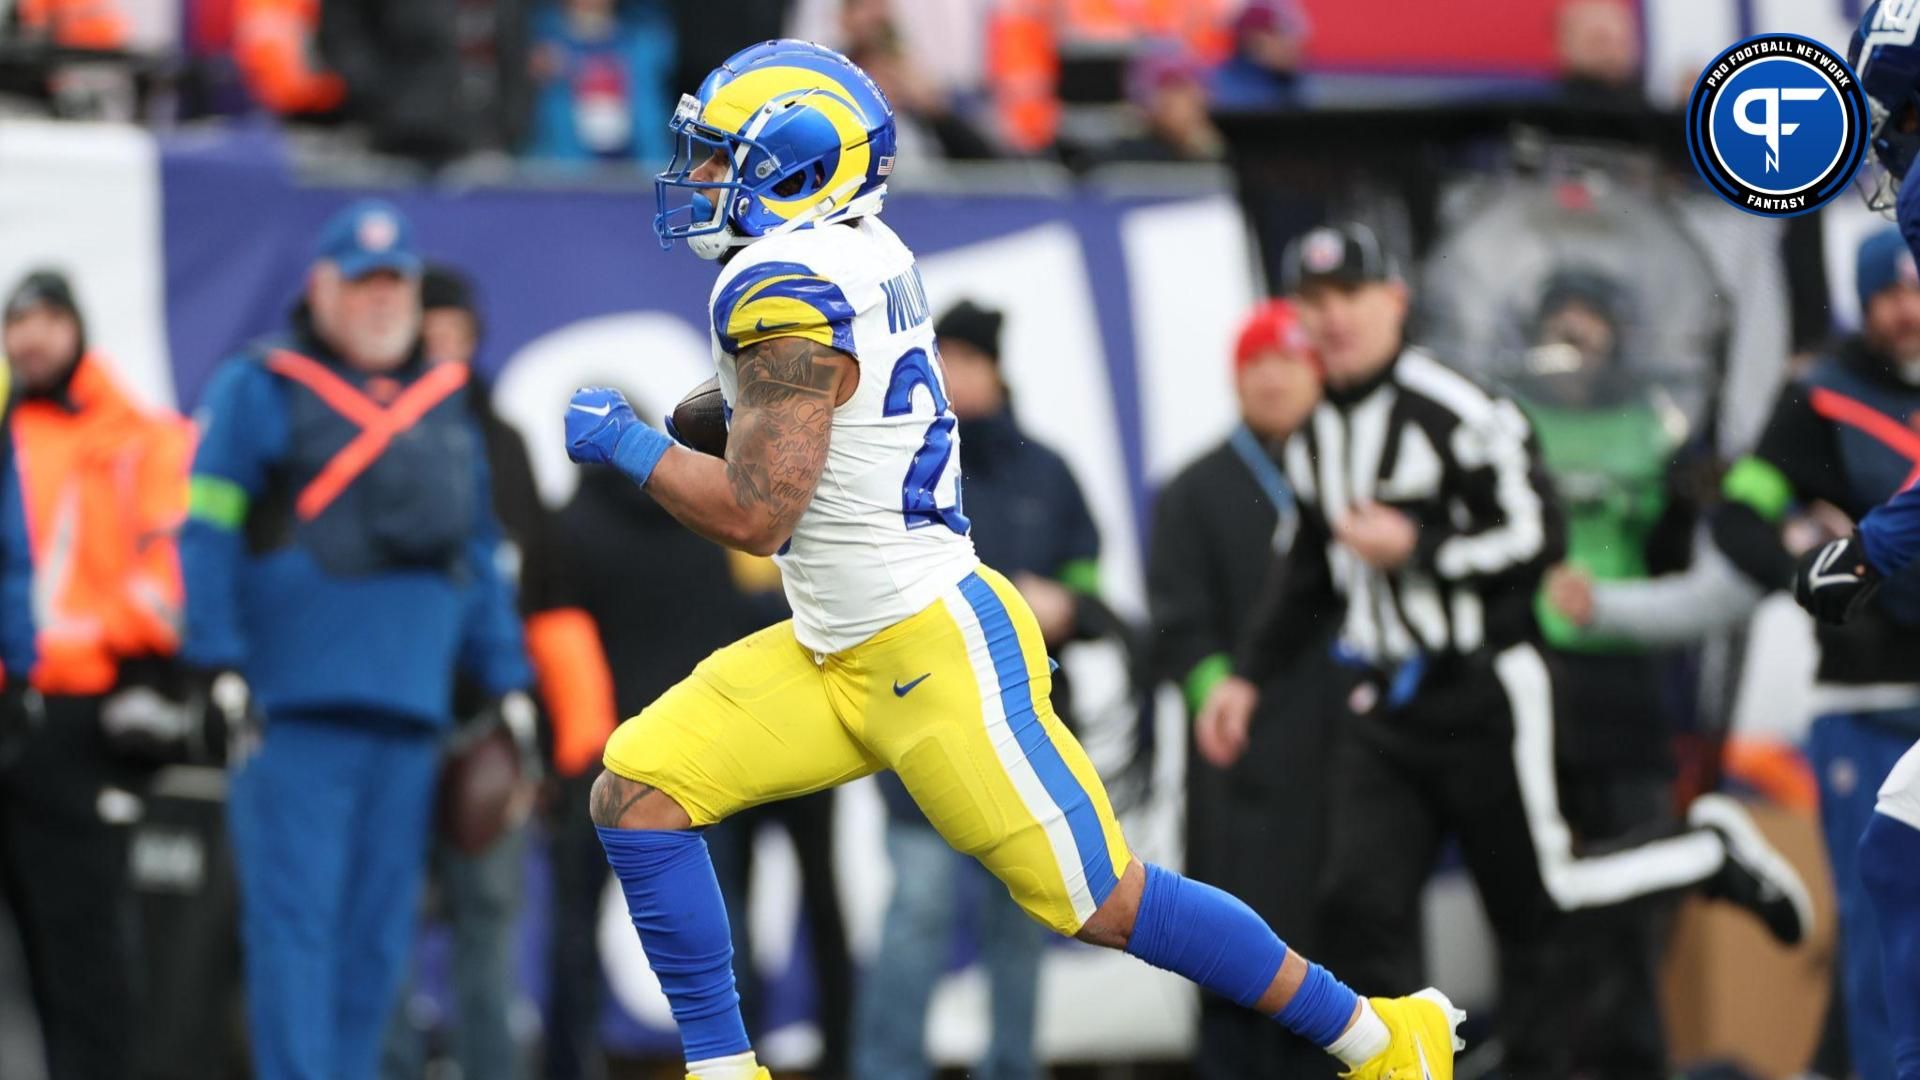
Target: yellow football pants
955	699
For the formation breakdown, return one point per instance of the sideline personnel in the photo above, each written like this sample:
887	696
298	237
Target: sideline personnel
340	557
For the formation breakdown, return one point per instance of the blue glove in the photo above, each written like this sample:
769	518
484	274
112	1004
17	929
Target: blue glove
602	430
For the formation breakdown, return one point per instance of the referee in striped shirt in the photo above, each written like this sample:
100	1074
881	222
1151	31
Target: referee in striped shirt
1426	524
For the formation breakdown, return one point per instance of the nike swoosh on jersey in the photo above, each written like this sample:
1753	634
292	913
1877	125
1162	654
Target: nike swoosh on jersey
592	411
760	326
903	691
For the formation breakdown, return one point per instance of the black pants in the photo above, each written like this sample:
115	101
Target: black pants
1472	758
63	865
1257	831
1586	1003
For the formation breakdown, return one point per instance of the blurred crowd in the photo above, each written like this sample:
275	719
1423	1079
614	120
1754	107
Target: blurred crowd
574	82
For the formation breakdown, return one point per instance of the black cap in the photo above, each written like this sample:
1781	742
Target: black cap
42	288
977	326
441	286
47	288
1594	289
1348	253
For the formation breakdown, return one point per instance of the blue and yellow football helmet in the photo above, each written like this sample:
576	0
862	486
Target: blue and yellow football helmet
808	138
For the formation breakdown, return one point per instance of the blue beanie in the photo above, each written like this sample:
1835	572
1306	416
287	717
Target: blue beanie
1884	262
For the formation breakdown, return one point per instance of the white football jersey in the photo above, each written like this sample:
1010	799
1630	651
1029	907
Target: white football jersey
885	535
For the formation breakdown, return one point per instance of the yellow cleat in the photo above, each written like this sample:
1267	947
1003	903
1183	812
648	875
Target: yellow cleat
763	1074
1422	1029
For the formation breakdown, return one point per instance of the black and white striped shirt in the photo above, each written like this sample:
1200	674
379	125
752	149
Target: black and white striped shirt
1464	465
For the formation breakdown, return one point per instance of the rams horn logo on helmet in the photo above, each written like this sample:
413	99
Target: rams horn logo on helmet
806	137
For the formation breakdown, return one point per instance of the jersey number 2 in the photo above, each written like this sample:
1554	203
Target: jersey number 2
917	499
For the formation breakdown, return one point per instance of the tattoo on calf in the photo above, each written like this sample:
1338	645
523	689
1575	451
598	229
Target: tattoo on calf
778	445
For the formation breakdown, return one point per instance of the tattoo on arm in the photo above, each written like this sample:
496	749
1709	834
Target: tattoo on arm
778	445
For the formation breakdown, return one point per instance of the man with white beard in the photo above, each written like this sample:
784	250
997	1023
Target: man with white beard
340	560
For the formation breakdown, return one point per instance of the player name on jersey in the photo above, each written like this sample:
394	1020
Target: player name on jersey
907	305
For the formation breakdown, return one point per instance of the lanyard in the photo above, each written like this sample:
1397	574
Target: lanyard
1273	484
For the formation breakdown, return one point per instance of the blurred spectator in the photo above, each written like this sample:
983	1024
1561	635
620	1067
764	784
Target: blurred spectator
808	821
104	491
865	23
495	73
74	24
1218	525
1170	90
706	33
1027	41
275	49
1031	521
927	123
944	40
430	79
341	557
1839	437
55	67
1591	993
1427	521
1269	37
481	892
1599	51
606	522
600	71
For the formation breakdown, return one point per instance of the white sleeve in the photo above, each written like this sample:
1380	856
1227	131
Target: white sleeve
1680	608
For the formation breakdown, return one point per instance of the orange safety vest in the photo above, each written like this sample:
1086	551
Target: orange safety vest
76	24
104	485
273	45
1023	49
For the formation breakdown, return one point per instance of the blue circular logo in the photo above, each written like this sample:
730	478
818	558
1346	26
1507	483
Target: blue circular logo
1777	125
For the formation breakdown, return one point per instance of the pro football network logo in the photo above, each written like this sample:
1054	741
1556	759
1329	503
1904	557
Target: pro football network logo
1777	125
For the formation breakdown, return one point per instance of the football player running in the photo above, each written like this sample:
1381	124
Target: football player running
1835	579
903	652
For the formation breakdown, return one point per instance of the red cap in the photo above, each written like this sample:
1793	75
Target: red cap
1272	327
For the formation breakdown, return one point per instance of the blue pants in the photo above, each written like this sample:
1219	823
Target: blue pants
1852	755
330	824
890	1019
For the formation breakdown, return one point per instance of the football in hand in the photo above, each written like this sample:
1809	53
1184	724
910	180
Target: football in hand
701	419
482	791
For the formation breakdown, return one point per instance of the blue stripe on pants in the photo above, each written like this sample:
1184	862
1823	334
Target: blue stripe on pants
1016	698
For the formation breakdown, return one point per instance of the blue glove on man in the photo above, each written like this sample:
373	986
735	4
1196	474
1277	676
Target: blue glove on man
602	430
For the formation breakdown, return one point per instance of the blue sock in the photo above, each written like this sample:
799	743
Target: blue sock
675	903
1890	869
1320	1009
1193	929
